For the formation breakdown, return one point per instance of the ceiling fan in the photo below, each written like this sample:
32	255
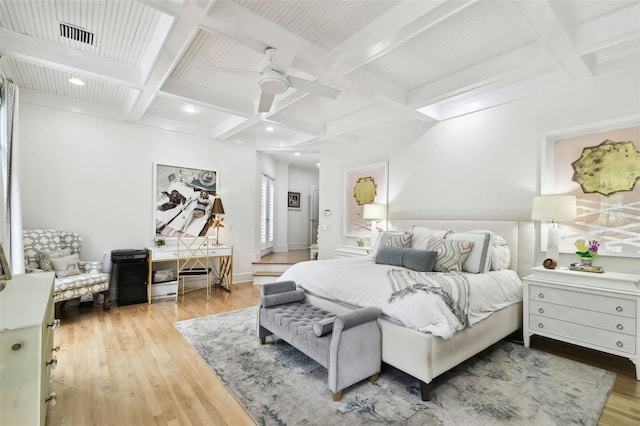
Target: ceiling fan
274	81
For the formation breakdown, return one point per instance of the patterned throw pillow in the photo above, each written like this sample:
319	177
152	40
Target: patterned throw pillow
393	239
45	256
66	266
451	254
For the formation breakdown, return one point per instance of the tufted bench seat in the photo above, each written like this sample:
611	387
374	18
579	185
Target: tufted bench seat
348	345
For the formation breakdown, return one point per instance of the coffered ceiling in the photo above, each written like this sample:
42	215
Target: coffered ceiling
194	66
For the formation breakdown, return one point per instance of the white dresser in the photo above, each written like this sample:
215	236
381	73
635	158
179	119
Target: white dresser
351	251
26	349
597	311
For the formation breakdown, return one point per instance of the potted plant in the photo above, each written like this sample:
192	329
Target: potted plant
587	251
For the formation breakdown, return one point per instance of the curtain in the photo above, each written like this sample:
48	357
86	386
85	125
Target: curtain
11	232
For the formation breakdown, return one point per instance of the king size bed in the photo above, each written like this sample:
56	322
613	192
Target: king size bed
431	321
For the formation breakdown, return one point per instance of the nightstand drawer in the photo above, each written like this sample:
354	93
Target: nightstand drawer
592	302
615	323
569	331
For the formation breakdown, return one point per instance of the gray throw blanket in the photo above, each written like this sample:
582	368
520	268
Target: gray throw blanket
452	287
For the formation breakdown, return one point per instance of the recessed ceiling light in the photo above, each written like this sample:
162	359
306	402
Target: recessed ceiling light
269	129
76	81
297	154
317	164
189	109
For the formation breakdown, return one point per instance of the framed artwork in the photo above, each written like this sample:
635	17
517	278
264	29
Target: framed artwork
5	270
600	165
293	200
182	200
363	185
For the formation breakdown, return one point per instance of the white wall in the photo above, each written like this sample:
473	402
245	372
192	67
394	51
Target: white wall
485	164
94	176
299	220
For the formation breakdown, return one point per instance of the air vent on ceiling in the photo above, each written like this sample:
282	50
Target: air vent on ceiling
76	33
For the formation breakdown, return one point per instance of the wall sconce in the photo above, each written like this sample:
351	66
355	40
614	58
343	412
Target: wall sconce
553	208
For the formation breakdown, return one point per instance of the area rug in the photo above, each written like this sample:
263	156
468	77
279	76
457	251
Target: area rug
507	384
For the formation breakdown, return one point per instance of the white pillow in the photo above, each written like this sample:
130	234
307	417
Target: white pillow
421	236
66	266
478	260
499	253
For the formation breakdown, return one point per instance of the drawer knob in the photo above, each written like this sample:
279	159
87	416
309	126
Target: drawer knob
619	308
540	325
619	327
16	346
619	344
53	363
541	296
52	399
541	310
54	324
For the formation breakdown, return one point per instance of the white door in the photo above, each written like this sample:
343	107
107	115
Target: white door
315	212
267	211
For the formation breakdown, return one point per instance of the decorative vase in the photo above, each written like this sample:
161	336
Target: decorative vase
586	261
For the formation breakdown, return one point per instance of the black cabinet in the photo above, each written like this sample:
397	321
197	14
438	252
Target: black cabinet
130	272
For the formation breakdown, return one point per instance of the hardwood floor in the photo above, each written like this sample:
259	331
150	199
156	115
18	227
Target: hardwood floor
131	366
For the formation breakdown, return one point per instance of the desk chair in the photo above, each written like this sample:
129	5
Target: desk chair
193	260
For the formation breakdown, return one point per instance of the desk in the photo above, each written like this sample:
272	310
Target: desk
222	255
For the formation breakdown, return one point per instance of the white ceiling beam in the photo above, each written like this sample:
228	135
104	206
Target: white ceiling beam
401	23
208	97
47	54
615	28
552	30
530	56
69	104
182	32
499	93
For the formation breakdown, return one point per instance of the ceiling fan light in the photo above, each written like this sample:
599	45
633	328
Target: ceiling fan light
273	83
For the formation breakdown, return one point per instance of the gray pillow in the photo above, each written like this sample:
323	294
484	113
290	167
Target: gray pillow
419	260
323	327
390	256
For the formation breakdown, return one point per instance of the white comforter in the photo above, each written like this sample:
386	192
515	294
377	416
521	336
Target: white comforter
359	281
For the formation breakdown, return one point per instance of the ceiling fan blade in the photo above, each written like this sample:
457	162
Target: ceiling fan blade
265	103
285	54
236	71
313	87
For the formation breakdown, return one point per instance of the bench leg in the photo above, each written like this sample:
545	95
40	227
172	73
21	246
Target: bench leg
262	340
105	300
58	309
336	396
374	378
426	389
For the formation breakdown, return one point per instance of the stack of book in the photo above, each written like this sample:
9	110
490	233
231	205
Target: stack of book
580	267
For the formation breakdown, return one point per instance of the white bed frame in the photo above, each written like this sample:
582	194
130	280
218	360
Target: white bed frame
425	356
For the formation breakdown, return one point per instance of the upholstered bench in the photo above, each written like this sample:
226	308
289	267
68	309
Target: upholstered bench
348	345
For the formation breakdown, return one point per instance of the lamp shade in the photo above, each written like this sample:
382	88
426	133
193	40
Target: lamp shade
374	211
554	207
217	206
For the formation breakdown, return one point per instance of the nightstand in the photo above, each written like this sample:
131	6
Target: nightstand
600	311
351	251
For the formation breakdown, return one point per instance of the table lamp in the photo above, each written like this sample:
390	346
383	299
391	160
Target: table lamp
216	210
553	208
374	212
